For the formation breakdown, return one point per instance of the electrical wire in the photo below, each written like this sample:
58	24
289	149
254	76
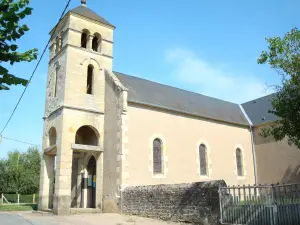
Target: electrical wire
38	63
23	142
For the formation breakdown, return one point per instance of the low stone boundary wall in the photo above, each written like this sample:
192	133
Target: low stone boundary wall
194	202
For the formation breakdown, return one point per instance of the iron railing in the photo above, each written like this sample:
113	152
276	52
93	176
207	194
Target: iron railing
260	204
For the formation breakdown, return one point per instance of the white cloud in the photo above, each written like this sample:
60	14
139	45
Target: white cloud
215	80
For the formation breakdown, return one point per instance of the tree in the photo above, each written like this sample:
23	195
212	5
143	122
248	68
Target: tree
11	12
20	172
283	55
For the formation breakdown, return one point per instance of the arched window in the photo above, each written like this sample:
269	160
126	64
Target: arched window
239	162
84	38
96	44
203	160
157	156
86	135
56	44
61	40
55	82
52	136
89	84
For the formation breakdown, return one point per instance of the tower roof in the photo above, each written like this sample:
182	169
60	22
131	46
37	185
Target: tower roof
88	13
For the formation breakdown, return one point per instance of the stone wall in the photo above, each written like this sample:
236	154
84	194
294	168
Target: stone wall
194	202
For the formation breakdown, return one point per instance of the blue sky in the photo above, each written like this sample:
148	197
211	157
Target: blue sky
209	47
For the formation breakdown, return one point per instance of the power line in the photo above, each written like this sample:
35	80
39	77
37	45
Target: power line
23	142
38	63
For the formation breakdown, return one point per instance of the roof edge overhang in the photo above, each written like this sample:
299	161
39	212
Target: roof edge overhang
186	113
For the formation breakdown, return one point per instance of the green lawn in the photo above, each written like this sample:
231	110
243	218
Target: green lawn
22	207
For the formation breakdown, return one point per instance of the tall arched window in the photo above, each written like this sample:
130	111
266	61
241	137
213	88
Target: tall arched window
157	156
203	160
89	85
61	40
239	162
96	44
57	44
84	38
52	136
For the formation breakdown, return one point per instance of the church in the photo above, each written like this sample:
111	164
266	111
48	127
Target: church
105	130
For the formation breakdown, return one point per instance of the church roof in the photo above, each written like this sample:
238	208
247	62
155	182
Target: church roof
166	97
88	13
258	110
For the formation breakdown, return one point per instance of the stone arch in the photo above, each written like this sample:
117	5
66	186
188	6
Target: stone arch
52	136
96	43
91	61
87	135
85	38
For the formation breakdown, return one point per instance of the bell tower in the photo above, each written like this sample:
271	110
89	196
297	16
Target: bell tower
71	169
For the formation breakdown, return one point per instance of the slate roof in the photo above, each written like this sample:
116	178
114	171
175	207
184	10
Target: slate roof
162	96
86	12
258	110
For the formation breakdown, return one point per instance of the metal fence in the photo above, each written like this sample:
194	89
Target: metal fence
260	204
18	199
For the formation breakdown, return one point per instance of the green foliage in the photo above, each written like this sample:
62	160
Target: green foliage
11	12
284	56
23	207
20	172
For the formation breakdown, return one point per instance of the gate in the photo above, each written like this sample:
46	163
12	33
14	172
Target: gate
260	204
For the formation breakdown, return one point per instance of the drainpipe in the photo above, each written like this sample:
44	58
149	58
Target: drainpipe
252	143
253	154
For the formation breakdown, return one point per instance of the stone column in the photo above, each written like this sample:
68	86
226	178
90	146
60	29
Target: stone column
46	182
63	177
79	180
90	42
99	180
84	191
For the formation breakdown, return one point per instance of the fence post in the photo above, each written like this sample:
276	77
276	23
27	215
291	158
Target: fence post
33	201
274	205
220	201
18	198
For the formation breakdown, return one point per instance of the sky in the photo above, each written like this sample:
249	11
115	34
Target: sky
205	46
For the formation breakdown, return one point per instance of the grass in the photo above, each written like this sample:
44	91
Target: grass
15	207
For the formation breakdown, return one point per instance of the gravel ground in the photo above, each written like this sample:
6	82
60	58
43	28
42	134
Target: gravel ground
29	218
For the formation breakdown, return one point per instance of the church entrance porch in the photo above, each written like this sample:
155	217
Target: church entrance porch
86	170
84	184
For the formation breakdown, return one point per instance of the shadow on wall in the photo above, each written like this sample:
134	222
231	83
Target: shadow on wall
291	175
201	199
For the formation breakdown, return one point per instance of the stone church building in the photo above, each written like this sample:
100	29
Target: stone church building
105	130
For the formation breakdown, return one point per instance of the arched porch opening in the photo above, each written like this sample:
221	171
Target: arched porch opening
86	135
52	136
86	151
